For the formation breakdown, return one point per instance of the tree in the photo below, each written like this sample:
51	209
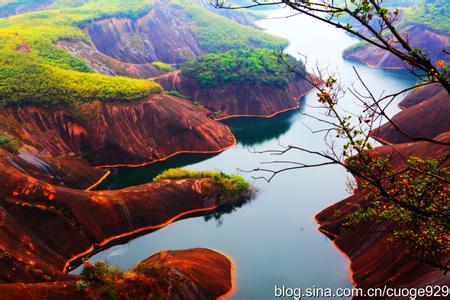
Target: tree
409	200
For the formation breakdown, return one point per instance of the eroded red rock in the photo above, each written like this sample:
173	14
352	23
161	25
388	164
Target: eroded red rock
419	36
121	133
375	260
426	115
238	100
66	171
44	227
164	34
167	275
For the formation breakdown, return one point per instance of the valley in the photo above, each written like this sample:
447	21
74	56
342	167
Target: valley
128	132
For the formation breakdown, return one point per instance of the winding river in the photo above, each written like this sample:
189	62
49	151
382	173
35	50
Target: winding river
274	239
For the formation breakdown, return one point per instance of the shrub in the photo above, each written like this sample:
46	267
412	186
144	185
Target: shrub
147	270
100	275
100	272
9	144
414	209
81	286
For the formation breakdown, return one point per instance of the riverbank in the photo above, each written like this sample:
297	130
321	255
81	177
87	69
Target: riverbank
77	220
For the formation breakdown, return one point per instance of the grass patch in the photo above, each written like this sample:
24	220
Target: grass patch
232	188
34	70
25	80
162	66
176	94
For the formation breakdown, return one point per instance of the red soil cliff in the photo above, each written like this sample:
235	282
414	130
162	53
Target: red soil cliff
376	261
43	227
426	115
419	36
66	171
237	100
421	94
47	222
120	133
167	275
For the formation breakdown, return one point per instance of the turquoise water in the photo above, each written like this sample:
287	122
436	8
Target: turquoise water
274	239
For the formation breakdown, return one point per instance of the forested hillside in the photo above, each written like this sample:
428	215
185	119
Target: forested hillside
34	69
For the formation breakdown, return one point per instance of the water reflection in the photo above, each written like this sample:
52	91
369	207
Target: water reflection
119	247
231	206
255	131
248	132
123	177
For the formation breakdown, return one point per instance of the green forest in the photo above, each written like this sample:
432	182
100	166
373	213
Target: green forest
245	66
216	33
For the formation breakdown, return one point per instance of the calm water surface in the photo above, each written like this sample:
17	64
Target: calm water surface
274	239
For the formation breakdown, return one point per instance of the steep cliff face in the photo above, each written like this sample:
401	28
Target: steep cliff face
419	36
105	64
45	226
183	269
426	116
163	34
121	133
237	100
375	260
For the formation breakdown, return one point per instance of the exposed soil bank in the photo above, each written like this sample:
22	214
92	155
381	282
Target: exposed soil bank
120	133
426	115
237	100
419	36
180	275
376	261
